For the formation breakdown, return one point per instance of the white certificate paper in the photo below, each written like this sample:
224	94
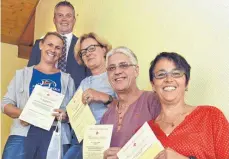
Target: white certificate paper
39	108
97	139
143	145
80	115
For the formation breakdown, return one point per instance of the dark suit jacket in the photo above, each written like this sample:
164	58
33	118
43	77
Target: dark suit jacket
78	72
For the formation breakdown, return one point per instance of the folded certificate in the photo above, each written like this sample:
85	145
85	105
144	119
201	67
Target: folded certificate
80	115
97	139
143	145
39	108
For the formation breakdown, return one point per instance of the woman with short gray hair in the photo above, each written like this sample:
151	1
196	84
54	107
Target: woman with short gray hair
133	106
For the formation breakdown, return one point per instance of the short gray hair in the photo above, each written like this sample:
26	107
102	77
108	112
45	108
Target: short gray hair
123	50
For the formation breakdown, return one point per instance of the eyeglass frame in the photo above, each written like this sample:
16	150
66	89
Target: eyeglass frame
170	73
86	49
120	66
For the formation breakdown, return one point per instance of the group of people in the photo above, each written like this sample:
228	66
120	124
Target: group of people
108	78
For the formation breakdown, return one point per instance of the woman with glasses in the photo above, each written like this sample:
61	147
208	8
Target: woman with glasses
91	51
133	106
186	132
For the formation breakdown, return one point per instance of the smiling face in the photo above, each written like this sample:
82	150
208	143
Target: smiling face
51	49
94	54
169	89
64	19
122	78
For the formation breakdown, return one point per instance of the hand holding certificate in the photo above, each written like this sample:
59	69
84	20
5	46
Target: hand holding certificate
80	115
97	139
38	109
143	145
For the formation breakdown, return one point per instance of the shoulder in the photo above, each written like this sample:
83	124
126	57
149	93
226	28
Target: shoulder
25	69
86	80
152	102
210	112
111	107
36	43
208	109
150	94
22	74
38	40
109	115
74	38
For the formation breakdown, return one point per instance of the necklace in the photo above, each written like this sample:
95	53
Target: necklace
121	108
121	113
173	123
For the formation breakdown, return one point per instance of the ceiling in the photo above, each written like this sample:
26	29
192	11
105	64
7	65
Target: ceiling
17	24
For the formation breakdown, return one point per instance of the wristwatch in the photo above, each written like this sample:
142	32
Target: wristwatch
192	157
109	100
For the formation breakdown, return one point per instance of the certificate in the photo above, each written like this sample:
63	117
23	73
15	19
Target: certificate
143	145
39	108
97	139
80	115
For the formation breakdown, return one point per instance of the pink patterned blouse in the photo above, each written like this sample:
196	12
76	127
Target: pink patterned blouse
145	108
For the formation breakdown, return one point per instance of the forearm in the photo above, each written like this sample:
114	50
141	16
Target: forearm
91	95
12	111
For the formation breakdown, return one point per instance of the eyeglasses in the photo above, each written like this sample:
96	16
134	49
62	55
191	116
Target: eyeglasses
176	73
90	48
121	65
